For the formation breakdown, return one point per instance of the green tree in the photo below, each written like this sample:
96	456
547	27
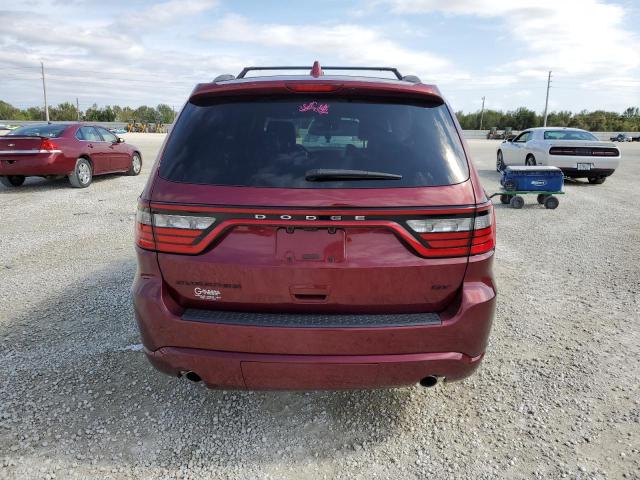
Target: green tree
64	111
34	113
166	113
96	114
146	114
9	112
125	114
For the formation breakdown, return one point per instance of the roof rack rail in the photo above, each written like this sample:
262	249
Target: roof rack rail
371	69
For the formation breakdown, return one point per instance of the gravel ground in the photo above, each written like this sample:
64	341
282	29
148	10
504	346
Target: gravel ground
556	397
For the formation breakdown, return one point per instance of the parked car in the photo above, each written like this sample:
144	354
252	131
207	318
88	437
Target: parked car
621	137
578	153
75	150
267	261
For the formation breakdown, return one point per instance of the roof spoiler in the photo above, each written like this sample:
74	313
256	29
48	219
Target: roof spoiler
317	71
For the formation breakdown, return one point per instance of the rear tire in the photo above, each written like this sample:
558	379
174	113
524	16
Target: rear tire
500	162
530	161
517	202
12	180
505	199
551	202
136	165
541	198
597	180
82	174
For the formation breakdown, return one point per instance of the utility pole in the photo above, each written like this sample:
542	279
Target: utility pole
482	113
546	102
78	108
44	89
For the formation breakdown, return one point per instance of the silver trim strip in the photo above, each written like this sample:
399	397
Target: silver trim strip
27	152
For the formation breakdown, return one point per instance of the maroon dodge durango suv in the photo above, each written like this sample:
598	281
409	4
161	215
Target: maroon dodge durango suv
315	232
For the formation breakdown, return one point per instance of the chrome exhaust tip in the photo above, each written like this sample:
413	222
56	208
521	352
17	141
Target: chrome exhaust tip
430	381
192	376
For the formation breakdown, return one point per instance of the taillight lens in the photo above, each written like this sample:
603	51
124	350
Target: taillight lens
457	236
440	225
48	145
143	232
585	151
186	222
169	233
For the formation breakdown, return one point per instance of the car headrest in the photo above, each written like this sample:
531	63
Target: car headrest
370	128
282	132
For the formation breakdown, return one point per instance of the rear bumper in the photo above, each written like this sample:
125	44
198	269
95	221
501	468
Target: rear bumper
35	165
594	172
256	356
310	372
569	163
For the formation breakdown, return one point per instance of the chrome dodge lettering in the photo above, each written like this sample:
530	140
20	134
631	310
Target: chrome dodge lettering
310	218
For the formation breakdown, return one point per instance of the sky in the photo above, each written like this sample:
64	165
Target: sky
145	52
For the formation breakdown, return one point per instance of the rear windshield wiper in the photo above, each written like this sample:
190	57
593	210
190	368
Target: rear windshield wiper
328	174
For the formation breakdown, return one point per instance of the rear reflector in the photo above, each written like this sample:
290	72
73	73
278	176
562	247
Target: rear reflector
169	233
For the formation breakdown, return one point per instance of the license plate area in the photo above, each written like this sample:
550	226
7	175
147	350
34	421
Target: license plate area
322	245
309	376
584	166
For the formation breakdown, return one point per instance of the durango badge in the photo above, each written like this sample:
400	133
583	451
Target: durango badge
207	294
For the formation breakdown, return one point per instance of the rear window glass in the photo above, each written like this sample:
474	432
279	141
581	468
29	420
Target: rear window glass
568	135
50	131
277	142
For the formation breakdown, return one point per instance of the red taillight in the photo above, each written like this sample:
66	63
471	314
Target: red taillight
605	152
314	87
457	233
585	151
457	236
169	233
143	231
48	145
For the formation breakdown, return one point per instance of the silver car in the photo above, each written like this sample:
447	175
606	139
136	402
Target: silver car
578	153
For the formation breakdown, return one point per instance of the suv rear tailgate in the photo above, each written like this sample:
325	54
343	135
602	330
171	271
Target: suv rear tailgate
265	266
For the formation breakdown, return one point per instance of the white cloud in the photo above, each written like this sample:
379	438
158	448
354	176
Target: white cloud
571	37
163	13
351	44
146	53
106	60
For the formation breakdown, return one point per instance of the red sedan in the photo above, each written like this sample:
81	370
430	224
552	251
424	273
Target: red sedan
77	151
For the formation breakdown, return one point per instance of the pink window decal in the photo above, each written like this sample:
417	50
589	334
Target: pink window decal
319	108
